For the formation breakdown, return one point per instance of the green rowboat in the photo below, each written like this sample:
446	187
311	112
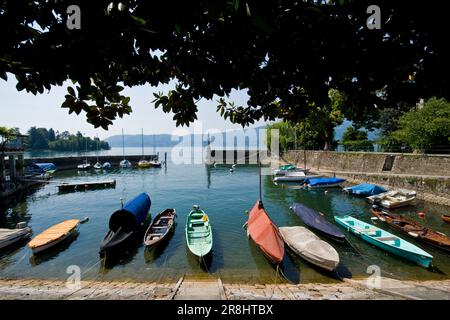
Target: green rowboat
198	232
385	240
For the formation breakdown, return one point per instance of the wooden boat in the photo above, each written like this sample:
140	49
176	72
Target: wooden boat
11	236
317	222
385	240
445	218
309	246
394	199
265	234
295	176
125	224
414	229
198	232
53	235
161	226
316	183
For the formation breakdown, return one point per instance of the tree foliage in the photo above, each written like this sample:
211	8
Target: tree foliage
41	138
356	140
287	54
427	127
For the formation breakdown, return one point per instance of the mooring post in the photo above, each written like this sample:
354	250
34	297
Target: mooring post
165	159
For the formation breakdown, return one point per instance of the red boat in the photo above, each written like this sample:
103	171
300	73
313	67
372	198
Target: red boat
265	234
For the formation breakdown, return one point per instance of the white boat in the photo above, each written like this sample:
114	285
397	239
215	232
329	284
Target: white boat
106	166
295	176
53	235
310	247
394	198
85	166
11	236
125	164
155	163
98	166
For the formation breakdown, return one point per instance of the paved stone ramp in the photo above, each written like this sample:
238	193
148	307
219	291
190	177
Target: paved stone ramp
200	290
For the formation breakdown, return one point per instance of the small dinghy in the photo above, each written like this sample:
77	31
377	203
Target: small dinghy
385	240
309	246
53	235
198	232
125	223
265	234
11	236
413	229
315	221
159	229
394	199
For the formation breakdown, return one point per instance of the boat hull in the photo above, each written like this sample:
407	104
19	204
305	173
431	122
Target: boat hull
445	218
56	242
198	233
21	234
154	236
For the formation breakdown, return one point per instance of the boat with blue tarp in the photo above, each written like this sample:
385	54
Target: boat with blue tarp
125	223
365	189
324	182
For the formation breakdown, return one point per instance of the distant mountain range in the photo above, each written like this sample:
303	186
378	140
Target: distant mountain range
165	140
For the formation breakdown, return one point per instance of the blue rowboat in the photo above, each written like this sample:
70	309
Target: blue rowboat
125	224
316	222
385	240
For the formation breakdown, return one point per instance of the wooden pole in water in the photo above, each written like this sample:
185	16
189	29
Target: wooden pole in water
260	189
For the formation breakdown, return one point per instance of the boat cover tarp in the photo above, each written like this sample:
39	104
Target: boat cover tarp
287	167
265	234
366	189
133	213
322	181
44	167
310	247
314	220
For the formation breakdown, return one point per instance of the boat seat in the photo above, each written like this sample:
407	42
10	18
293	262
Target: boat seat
156	227
389	239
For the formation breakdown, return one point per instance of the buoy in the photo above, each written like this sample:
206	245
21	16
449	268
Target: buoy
326	191
231	170
421	214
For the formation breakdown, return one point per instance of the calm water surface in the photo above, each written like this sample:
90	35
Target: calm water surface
224	196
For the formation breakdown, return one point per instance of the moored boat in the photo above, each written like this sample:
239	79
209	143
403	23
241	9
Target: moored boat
53	235
125	224
385	240
394	198
316	183
143	164
365	189
315	221
84	166
125	164
160	228
414	229
265	234
97	166
198	232
155	163
295	176
287	168
106	166
310	247
11	236
445	218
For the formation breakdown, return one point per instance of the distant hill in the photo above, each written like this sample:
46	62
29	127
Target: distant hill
165	140
339	131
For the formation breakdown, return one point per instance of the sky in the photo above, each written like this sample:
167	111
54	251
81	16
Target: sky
24	110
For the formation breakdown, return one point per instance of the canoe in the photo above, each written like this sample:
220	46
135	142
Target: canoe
54	235
125	224
365	189
317	222
198	232
161	226
309	246
295	176
394	198
265	234
445	218
414	229
315	183
144	164
385	240
11	236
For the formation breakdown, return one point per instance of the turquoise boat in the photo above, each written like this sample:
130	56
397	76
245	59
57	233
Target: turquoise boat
385	240
198	232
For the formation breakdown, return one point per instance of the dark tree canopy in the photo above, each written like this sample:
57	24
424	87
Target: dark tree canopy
286	53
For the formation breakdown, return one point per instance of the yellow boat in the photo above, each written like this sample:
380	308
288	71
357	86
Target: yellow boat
53	235
144	164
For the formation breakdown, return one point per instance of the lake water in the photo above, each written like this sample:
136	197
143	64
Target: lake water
224	196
